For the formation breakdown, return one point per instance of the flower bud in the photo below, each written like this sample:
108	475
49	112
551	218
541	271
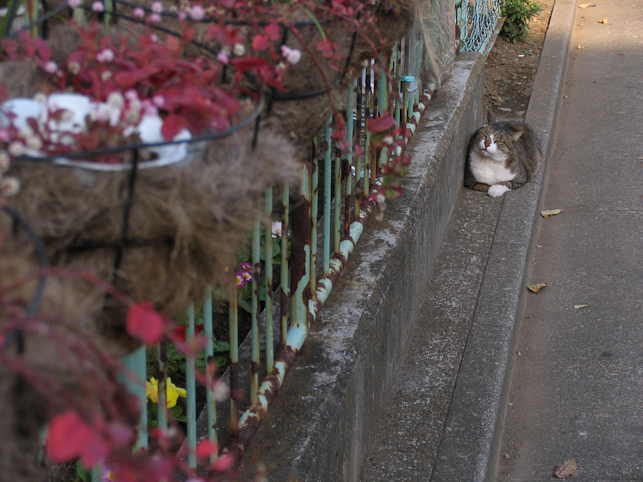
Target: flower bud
9	186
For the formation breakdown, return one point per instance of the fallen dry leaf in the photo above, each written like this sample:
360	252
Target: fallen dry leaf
536	288
603	21
565	469
585	5
580	47
550	212
579	307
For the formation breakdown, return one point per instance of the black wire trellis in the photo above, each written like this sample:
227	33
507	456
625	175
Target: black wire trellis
19	221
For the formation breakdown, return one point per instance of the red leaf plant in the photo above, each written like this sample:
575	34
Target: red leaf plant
144	322
93	419
147	76
268	19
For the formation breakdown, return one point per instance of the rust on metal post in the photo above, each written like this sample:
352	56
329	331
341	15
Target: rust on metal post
339	260
300	258
358	161
314	210
347	198
268	391
285	291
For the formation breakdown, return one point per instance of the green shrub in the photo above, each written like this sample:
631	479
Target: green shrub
518	13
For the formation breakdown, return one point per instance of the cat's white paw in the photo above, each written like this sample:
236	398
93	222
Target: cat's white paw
497	190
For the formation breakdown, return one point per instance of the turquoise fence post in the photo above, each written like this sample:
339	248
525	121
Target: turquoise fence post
209	371
256	275
328	176
285	290
270	342
190	376
234	356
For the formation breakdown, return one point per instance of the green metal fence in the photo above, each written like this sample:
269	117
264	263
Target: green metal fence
477	19
320	226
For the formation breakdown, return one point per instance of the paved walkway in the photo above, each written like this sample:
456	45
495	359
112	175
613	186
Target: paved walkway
577	389
467	407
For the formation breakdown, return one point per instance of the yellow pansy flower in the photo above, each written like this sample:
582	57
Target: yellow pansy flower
173	392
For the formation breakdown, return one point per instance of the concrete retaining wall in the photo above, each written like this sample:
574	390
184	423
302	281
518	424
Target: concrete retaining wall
319	427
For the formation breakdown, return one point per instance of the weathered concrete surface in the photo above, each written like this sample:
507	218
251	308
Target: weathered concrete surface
405	446
576	389
469	448
319	427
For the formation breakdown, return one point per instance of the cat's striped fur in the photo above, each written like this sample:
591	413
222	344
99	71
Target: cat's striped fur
501	156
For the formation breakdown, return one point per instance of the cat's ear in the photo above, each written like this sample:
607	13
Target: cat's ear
490	119
516	135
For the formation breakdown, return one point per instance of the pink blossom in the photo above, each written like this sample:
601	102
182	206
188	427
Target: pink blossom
158	101
183	16
197	12
131	95
291	55
154	38
74	3
51	67
98	7
157	7
223	58
149	108
139	12
9	186
277	229
106	55
16	148
155	18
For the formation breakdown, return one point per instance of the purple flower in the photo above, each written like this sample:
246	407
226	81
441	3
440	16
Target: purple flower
246	266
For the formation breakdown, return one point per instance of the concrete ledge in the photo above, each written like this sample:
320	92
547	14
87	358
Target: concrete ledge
469	449
319	425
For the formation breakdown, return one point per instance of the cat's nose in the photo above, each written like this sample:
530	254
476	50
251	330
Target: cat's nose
487	142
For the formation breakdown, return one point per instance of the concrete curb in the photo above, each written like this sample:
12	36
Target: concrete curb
469	448
320	424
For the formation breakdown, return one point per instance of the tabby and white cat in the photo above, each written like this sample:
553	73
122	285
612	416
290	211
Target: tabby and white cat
501	156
